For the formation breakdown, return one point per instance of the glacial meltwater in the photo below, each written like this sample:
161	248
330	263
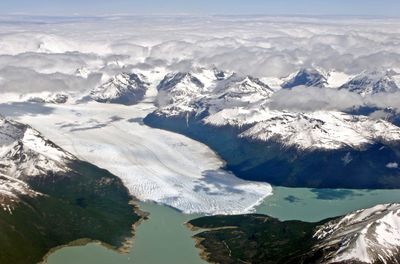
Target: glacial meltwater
164	239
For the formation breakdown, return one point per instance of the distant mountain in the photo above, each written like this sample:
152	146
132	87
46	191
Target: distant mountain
308	149
368	236
322	130
123	88
177	90
306	77
50	98
206	90
49	198
372	83
242	102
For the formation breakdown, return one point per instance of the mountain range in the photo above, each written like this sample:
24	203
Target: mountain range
324	148
230	113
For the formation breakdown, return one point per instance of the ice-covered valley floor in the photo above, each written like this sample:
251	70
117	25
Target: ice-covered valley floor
155	165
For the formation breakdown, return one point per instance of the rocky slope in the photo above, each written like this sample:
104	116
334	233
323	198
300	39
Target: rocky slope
306	77
372	83
124	88
368	236
243	102
26	154
365	236
320	130
209	91
231	114
49	198
49	98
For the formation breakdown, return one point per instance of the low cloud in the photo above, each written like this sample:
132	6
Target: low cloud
24	80
66	63
48	52
313	98
384	100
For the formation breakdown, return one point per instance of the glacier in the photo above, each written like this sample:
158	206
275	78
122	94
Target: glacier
155	165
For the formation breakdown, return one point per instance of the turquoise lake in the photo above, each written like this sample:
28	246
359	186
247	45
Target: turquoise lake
164	239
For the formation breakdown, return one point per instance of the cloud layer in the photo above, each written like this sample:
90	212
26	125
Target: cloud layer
51	49
308	99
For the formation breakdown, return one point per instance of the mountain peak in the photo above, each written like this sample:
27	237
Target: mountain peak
123	88
368	83
306	77
24	154
181	93
50	98
171	80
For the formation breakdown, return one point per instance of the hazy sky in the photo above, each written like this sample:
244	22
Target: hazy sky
272	7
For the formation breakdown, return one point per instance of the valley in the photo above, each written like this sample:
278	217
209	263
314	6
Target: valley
172	170
154	165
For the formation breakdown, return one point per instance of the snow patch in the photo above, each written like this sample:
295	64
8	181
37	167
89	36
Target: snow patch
366	235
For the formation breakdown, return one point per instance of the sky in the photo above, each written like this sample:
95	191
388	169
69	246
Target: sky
387	8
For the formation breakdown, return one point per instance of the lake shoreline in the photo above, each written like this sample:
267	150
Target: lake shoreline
124	249
286	204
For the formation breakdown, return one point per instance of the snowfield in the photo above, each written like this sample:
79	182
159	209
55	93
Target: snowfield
155	165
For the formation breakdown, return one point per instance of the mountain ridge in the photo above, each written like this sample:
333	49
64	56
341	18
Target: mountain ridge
366	236
49	198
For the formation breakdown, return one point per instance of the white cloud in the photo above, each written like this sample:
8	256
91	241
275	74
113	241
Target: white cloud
313	98
384	100
259	46
24	80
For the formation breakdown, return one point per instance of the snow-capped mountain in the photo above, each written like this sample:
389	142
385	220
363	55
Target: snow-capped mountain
242	102
364	236
368	83
308	131
124	88
367	236
208	90
49	98
24	153
179	90
237	91
233	116
306	77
